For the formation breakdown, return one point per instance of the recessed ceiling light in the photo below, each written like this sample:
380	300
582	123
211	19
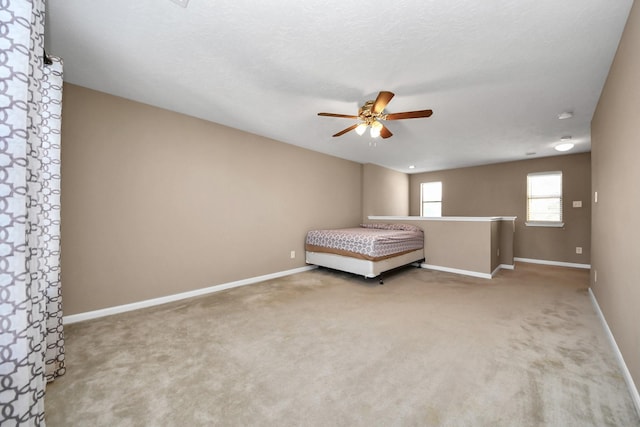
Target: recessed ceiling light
412	167
565	145
565	115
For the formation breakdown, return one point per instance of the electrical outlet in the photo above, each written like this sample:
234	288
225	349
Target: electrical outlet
578	250
293	254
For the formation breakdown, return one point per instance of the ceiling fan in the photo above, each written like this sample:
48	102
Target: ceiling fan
372	112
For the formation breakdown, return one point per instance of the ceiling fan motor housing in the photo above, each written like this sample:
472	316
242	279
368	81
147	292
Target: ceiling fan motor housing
366	114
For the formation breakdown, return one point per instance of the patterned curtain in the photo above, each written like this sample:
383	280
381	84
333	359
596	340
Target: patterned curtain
31	340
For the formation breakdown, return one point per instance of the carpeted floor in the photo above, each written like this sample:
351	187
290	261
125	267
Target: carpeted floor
323	348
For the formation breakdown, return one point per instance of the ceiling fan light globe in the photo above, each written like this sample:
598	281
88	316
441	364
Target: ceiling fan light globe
361	128
376	127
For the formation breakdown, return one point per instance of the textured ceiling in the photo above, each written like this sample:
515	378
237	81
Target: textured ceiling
495	73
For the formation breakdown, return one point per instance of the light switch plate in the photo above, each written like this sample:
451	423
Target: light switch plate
577	203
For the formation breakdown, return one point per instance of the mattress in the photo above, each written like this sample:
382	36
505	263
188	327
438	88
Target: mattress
369	241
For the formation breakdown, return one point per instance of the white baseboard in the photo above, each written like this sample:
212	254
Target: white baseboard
468	272
457	271
633	390
557	263
73	318
502	267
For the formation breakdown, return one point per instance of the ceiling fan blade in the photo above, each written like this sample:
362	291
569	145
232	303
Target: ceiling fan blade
342	132
385	133
409	115
345	116
381	101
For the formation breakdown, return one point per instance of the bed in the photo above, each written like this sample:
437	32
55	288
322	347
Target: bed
368	250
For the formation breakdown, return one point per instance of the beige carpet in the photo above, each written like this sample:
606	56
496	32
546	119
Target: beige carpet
323	348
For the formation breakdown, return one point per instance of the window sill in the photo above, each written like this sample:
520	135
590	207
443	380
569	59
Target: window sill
552	224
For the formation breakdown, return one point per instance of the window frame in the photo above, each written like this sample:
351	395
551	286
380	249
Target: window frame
539	222
432	201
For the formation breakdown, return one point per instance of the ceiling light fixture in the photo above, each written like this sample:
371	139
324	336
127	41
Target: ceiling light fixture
565	144
376	127
565	115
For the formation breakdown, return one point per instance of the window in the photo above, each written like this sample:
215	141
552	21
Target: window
544	199
431	196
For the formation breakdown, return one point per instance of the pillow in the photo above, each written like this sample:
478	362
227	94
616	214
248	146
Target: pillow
382	226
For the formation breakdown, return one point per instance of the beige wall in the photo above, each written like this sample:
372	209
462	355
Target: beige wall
500	189
464	245
615	134
156	203
459	245
384	191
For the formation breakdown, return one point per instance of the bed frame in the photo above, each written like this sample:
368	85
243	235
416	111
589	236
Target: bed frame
363	267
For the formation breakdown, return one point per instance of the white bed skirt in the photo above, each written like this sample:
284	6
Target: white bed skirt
362	267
